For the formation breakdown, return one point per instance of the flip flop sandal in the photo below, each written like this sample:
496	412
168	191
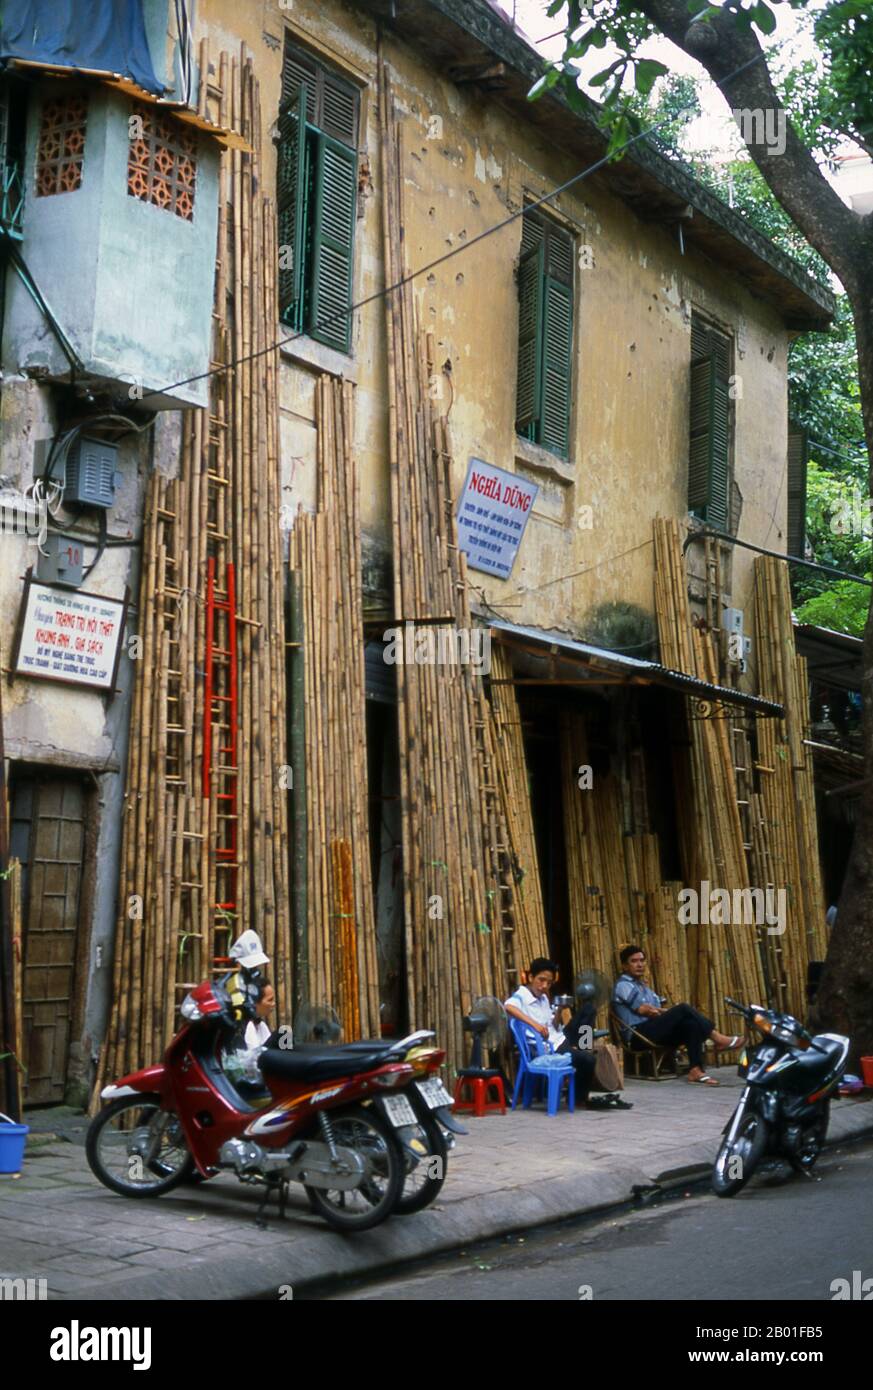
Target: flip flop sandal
611	1101
703	1080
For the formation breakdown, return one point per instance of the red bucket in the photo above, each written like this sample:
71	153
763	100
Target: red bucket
867	1071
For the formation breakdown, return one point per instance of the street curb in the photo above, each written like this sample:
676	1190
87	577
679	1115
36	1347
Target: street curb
312	1259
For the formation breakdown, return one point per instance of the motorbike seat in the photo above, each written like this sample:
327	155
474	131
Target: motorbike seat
831	1043
321	1063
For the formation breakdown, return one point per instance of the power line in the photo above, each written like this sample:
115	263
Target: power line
344	313
574	574
835	453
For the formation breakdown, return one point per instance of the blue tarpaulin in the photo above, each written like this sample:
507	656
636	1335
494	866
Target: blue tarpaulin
100	35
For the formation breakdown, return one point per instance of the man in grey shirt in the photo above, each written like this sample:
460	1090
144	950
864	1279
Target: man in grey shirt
643	1020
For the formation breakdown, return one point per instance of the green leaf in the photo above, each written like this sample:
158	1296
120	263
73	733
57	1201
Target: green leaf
646	73
763	17
578	47
541	85
619	135
600	78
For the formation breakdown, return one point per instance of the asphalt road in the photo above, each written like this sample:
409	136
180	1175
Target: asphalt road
782	1238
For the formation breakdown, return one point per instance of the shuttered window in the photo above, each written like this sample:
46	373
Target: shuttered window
317	199
709	472
545	334
798	454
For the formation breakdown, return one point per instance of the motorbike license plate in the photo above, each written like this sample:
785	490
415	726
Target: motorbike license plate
433	1093
399	1111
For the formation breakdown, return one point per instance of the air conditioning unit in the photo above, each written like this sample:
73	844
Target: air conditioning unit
91	473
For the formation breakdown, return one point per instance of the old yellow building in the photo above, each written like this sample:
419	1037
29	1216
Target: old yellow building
619	347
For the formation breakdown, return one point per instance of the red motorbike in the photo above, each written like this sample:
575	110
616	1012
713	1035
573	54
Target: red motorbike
345	1121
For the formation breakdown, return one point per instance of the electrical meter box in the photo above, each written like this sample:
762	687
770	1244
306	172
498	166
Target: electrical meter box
60	561
91	473
732	620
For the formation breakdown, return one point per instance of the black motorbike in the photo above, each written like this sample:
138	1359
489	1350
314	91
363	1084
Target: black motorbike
784	1109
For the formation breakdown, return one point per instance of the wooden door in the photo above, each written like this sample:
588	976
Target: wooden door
48	836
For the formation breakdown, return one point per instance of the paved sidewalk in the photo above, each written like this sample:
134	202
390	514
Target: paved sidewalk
58	1223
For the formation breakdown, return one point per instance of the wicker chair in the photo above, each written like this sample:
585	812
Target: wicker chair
661	1060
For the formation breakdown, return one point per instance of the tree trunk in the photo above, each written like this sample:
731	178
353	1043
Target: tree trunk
845	998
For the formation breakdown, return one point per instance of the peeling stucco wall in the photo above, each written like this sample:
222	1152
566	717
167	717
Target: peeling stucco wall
468	165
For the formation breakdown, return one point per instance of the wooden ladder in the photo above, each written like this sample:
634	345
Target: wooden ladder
220	745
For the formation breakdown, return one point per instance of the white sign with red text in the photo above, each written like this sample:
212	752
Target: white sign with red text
70	636
492	513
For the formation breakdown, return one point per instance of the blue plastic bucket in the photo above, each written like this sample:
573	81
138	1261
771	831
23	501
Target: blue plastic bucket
12	1139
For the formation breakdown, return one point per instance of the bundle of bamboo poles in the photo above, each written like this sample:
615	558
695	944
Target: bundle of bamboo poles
600	911
337	962
786	805
204	852
722	959
457	872
746	799
512	773
665	944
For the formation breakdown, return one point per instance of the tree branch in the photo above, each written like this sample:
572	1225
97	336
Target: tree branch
841	236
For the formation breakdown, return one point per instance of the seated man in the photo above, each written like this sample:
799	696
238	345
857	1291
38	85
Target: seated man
530	1003
639	1008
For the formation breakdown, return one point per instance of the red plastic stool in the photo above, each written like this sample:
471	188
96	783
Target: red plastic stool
480	1084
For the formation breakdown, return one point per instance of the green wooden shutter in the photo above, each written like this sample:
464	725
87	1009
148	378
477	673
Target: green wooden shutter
559	255
298	68
531	232
798	454
700	343
557	362
333	233
339	109
719	475
291	192
709	454
529	385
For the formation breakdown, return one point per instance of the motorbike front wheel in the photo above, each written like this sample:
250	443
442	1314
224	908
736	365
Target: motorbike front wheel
359	1208
136	1148
738	1158
425	1167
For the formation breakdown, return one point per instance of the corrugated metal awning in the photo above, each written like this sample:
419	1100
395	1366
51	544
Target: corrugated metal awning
563	661
834	658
